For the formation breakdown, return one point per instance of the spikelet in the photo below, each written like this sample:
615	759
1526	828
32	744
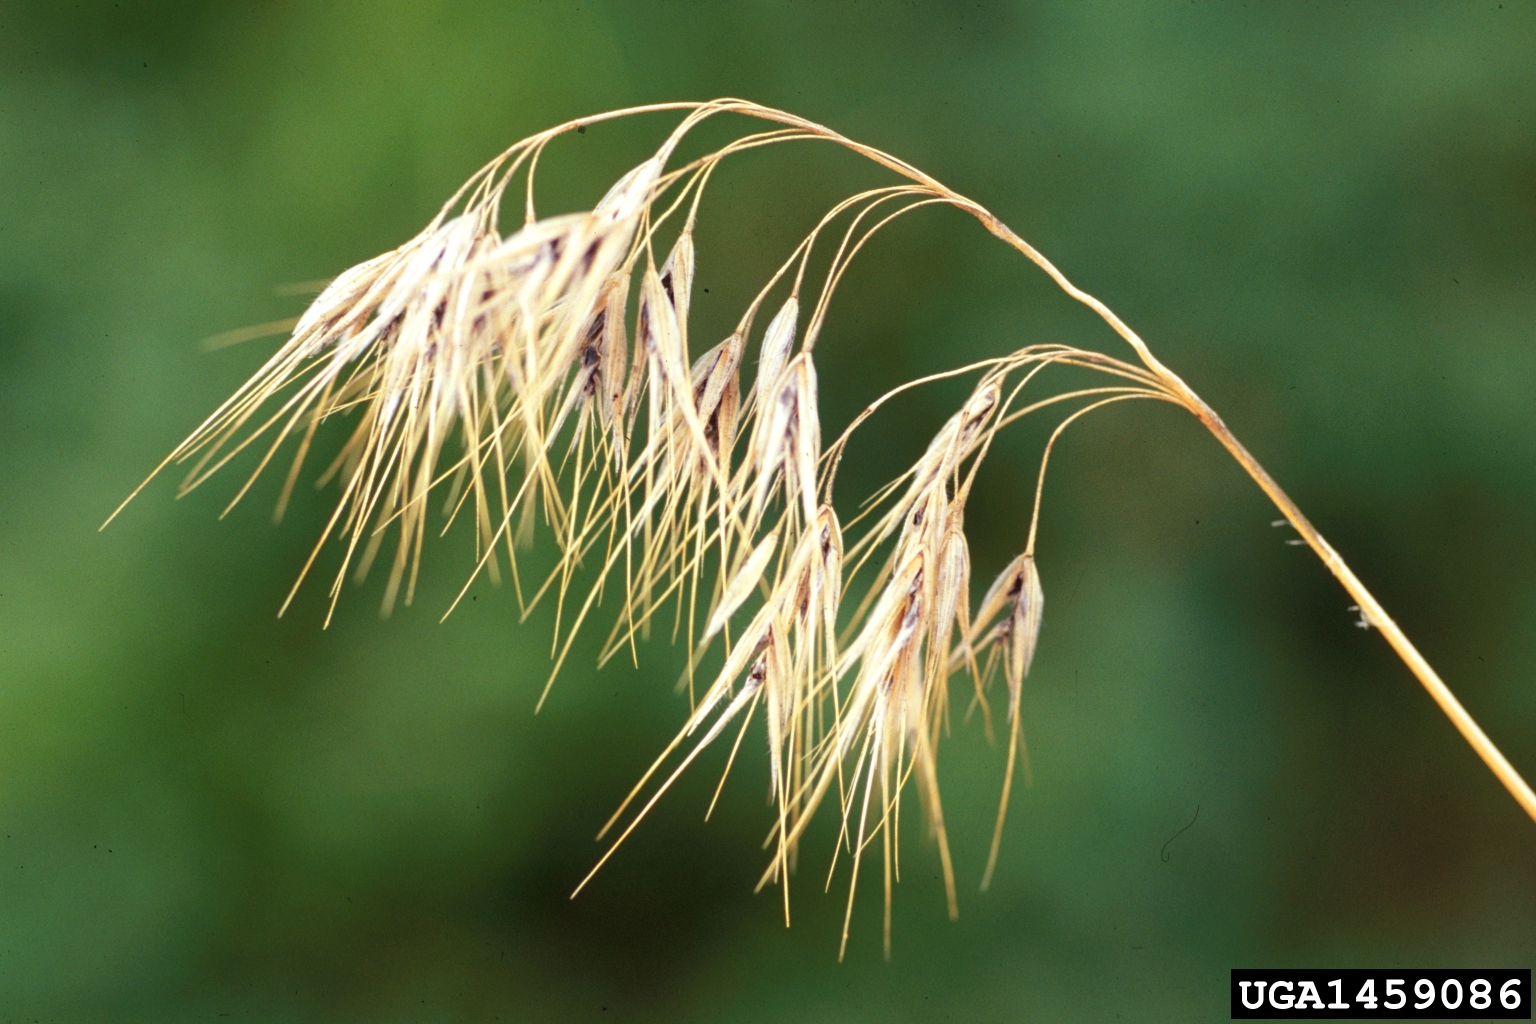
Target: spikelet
777	344
742	583
786	446
1016	602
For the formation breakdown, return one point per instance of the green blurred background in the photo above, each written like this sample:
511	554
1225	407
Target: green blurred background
1323	216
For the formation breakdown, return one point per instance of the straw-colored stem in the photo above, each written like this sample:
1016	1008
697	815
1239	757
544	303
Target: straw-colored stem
1370	609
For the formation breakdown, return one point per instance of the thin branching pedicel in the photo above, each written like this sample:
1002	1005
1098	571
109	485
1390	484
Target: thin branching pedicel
502	373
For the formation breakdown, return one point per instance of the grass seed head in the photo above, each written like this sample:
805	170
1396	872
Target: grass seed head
466	358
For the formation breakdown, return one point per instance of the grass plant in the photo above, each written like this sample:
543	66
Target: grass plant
493	376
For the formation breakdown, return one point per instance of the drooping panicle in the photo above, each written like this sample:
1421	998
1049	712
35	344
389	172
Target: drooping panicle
502	367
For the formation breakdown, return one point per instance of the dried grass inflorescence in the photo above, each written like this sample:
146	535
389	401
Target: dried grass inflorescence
498	373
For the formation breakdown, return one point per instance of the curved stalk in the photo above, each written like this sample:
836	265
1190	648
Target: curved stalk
1370	608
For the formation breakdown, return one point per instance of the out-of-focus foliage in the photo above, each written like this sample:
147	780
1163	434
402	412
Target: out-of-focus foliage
1323	216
